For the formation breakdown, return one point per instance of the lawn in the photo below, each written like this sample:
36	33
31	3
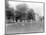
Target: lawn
25	27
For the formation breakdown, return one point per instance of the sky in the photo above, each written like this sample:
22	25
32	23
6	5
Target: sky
38	7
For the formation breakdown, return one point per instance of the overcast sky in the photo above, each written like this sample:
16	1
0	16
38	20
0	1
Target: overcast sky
38	7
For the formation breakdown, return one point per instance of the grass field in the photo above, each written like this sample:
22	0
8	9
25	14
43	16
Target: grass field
25	27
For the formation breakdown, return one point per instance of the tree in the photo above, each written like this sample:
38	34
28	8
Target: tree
31	14
18	15
6	4
21	7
